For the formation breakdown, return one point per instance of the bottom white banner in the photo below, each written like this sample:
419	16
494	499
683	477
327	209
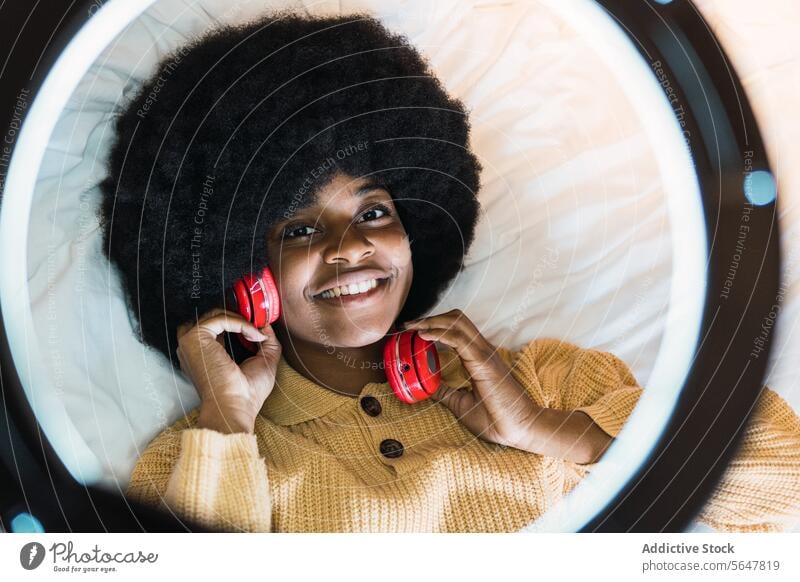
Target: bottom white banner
389	557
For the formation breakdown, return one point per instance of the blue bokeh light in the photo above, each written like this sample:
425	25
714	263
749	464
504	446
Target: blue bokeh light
26	523
760	188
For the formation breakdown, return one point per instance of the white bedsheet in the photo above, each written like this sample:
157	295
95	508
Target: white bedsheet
574	241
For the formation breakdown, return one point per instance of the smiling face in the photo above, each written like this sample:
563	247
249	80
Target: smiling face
343	265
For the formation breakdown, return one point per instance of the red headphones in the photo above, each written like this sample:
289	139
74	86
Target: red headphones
412	366
411	362
256	299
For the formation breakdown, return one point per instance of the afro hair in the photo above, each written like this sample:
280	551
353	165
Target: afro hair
223	141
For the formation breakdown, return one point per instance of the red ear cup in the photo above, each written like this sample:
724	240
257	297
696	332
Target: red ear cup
243	303
412	366
273	306
257	301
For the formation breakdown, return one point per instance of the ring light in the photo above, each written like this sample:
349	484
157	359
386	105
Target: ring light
706	378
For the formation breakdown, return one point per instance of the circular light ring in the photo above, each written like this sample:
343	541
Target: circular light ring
724	373
658	32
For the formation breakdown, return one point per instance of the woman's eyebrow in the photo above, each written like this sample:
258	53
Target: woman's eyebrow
370	187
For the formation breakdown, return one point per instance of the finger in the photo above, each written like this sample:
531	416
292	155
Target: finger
250	332
183	363
480	360
450	336
186	326
465	346
230	322
260	368
458	401
452	318
214	312
179	353
183	328
270	344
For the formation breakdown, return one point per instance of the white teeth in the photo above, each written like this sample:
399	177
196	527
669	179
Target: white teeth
352	289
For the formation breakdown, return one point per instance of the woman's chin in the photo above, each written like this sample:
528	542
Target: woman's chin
363	336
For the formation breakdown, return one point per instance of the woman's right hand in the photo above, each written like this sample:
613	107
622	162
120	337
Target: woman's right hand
231	395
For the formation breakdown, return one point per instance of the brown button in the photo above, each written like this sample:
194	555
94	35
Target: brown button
391	448
371	405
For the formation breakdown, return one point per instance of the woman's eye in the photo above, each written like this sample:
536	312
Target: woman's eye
297	231
375	213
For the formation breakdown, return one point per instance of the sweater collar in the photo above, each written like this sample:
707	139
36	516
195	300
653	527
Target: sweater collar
296	399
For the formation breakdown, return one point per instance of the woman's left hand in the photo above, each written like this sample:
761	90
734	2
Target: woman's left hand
497	409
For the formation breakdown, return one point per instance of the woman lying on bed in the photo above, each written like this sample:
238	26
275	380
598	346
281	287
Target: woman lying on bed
326	149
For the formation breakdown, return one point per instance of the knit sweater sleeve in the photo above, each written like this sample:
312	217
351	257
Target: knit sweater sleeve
760	489
563	376
213	479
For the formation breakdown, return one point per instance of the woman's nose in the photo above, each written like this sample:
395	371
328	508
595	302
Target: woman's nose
351	246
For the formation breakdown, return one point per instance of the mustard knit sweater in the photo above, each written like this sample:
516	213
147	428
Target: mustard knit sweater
324	462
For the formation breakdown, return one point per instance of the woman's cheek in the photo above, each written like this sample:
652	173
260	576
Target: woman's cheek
397	245
292	278
399	250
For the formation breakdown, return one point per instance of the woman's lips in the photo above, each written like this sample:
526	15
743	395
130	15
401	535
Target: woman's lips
358	299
